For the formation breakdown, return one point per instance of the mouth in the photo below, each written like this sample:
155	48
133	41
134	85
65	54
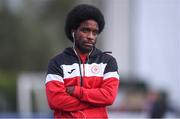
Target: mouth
89	44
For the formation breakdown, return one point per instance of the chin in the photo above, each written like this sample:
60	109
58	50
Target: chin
86	50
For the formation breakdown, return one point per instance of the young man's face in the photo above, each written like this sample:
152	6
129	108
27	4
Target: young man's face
86	35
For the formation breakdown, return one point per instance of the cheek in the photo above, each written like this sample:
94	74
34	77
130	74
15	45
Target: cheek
95	39
81	38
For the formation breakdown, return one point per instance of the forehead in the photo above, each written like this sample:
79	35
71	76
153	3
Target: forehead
89	23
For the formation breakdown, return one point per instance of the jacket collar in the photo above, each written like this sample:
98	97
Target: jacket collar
94	53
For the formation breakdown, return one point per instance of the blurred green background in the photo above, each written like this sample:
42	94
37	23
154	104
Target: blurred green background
31	32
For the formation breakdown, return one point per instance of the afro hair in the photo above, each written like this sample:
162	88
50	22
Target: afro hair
82	13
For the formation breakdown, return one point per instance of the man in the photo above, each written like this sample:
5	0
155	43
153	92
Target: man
82	80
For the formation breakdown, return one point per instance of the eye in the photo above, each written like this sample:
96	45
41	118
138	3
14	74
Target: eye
95	32
85	30
88	30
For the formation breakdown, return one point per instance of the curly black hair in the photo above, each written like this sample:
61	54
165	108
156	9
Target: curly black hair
81	13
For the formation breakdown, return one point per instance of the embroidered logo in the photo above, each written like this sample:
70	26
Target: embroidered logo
71	71
95	69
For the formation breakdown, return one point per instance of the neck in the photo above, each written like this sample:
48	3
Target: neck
80	53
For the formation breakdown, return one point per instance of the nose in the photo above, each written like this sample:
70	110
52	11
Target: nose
91	35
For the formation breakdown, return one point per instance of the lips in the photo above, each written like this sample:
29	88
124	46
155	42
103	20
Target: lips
89	44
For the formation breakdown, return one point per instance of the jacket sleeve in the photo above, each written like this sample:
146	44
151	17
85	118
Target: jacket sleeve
105	95
56	94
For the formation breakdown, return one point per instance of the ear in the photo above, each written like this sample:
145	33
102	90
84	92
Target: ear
73	33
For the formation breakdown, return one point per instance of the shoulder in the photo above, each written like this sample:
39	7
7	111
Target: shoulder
104	56
57	57
60	56
108	57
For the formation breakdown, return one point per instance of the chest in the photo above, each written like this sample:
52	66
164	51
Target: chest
90	74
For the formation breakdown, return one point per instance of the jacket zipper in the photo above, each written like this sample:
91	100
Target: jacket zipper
83	69
81	78
83	63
